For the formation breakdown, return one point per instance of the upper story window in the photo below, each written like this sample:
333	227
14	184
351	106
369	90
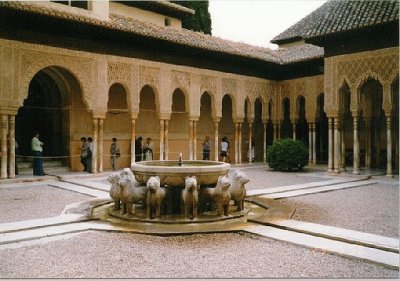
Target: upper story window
79	4
167	22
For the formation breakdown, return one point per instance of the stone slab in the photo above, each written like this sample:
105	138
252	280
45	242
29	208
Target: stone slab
81	189
298	186
29	224
340	234
320	244
90	184
294	193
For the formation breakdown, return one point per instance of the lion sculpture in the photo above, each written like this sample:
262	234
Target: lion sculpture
222	196
190	197
155	197
115	190
131	193
237	190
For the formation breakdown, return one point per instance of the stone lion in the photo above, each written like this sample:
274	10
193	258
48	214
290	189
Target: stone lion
155	197
190	197
237	190
131	193
115	190
222	196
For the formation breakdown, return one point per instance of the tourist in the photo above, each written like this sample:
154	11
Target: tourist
148	150
84	153
115	154
37	149
138	149
225	150
89	154
206	148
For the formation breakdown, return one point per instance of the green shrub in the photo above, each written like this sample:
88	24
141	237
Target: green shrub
287	155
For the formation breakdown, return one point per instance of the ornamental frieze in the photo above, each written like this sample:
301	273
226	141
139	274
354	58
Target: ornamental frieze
256	90
208	83
81	69
228	86
180	80
149	76
119	72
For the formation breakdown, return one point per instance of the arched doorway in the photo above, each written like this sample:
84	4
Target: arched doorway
258	130
395	125
205	126
147	124
372	125
53	107
227	128
286	128
321	131
301	126
346	126
179	127
117	125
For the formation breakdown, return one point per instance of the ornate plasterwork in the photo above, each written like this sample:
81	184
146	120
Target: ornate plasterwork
119	72
149	76
300	88
180	80
82	69
208	84
229	86
256	90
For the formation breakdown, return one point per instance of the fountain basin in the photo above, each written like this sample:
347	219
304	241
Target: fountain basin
171	174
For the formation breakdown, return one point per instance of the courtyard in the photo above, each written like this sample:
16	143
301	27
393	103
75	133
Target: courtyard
38	241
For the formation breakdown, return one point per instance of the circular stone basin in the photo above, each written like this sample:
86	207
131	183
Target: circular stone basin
172	174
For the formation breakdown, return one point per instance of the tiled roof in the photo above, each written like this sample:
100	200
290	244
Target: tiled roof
161	6
177	36
341	15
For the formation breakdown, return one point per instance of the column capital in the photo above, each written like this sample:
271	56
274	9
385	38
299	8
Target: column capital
194	118
99	115
250	120
216	119
134	115
164	116
238	120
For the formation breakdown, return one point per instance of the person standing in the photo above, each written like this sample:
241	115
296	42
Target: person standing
115	154
138	149
89	154
37	149
148	150
225	149
206	148
84	153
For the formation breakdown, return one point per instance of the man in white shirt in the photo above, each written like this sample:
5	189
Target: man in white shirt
37	149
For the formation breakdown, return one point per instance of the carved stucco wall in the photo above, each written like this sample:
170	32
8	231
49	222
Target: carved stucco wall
354	69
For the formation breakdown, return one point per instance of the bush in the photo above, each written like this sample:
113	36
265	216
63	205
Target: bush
287	155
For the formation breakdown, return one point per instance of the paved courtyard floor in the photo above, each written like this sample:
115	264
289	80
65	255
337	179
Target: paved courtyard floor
368	205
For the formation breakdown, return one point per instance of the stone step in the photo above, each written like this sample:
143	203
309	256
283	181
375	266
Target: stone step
80	189
320	244
301	192
340	234
298	186
90	184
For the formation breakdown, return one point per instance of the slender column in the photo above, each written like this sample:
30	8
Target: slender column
356	147
389	172
101	123
343	148
330	144
166	144
250	137
133	143
190	140
265	143
216	140
95	128
240	142
367	143
194	140
378	142
3	137
310	144
336	161
314	147
294	129
236	143
12	146
161	139
279	131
